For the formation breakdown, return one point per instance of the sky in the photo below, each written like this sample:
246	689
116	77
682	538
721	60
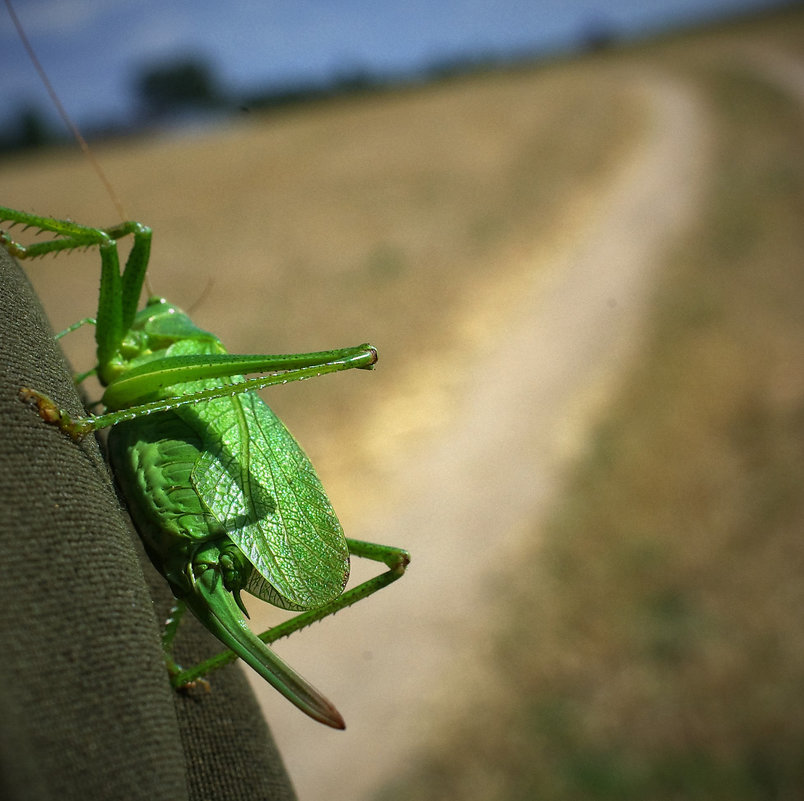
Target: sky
93	49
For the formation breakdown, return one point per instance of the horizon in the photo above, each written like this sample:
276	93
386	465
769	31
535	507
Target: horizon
94	53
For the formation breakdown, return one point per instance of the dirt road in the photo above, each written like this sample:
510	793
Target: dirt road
518	408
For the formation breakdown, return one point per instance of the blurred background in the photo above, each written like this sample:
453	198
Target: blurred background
573	231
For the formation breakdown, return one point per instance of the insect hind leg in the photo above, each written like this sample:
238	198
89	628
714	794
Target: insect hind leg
396	559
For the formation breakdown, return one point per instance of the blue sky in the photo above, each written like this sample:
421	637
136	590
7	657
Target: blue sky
93	48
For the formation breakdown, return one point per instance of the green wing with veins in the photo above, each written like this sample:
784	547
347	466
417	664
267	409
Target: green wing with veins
258	482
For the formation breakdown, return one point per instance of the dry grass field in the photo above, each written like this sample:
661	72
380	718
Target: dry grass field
600	485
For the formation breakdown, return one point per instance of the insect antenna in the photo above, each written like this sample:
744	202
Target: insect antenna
71	126
203	296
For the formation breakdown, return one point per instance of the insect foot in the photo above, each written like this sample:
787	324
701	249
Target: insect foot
50	412
188	686
11	246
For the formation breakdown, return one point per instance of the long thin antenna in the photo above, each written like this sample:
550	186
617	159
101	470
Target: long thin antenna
71	126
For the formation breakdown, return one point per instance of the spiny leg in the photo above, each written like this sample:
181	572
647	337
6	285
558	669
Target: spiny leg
119	293
70	235
76	325
168	635
168	371
396	559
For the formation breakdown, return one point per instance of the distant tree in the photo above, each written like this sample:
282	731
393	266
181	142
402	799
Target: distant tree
596	34
353	81
177	86
28	128
34	131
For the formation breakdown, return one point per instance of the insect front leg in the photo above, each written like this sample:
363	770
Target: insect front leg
119	292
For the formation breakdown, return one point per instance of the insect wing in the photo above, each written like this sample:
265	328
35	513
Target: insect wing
255	478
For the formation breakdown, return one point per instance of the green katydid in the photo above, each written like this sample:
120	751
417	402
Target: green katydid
223	497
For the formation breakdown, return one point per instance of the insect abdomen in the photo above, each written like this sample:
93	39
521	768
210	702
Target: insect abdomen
153	459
